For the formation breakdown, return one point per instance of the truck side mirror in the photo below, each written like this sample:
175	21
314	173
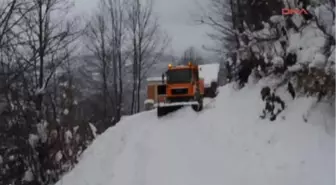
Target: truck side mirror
163	77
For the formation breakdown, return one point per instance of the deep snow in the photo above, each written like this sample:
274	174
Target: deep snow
227	143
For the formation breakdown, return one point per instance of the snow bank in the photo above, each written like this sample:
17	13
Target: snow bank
209	72
308	45
226	143
277	61
149	101
98	160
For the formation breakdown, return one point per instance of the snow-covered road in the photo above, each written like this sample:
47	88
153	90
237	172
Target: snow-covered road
225	144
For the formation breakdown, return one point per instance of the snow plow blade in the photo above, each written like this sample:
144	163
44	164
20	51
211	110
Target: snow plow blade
176	104
162	111
166	108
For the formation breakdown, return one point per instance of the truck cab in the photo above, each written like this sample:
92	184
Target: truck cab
183	83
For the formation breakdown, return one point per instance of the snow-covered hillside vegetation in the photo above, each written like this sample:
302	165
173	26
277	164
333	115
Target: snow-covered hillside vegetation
71	80
227	143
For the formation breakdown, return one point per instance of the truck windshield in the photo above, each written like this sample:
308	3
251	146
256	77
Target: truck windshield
179	76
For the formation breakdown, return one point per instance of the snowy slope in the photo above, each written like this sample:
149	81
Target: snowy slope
224	144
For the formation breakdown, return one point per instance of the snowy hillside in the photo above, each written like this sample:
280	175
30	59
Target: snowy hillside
227	143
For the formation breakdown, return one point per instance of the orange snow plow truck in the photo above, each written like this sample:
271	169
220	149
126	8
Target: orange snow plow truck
183	87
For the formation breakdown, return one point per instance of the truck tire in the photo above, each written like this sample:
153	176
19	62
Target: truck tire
199	107
161	111
213	89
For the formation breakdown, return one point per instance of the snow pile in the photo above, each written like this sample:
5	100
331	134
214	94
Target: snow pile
226	143
209	72
28	176
277	19
93	130
33	140
149	101
311	42
277	61
97	161
308	45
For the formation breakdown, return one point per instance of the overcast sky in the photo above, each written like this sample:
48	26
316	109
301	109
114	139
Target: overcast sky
175	18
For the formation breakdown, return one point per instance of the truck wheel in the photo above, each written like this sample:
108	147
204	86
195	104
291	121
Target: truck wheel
198	107
161	111
213	89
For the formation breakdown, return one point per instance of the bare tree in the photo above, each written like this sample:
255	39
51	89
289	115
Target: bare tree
12	13
191	55
106	36
49	39
11	134
48	34
96	34
148	44
34	42
230	18
223	17
117	16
